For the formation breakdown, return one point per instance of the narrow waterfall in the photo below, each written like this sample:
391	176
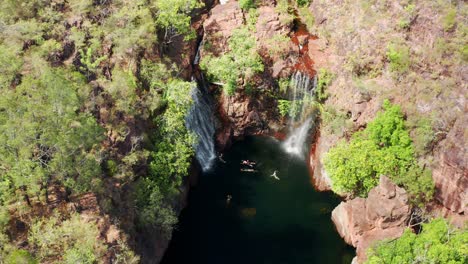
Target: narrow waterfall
200	120
196	60
301	97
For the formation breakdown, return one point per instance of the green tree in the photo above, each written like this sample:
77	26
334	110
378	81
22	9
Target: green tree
170	160
10	64
325	77
20	256
246	4
439	242
383	148
241	62
173	16
44	136
399	57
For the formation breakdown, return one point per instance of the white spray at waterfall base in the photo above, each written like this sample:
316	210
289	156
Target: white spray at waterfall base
302	97
296	142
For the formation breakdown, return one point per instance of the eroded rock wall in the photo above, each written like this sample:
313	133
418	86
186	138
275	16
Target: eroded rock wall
382	215
451	174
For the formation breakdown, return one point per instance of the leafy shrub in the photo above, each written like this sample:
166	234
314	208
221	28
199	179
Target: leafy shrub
20	256
423	134
10	65
170	161
74	240
174	17
303	2
284	9
284	106
246	4
383	148
283	85
325	77
404	22
241	62
439	242
448	21
306	17
399	57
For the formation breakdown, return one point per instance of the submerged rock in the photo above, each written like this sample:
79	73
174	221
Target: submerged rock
383	215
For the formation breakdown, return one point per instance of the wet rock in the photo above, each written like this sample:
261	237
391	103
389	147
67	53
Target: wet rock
383	215
320	178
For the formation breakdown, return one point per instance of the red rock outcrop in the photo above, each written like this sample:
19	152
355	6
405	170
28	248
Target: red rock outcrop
243	114
451	174
219	25
383	215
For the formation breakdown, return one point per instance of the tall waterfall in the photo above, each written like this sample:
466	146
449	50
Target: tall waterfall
301	98
200	120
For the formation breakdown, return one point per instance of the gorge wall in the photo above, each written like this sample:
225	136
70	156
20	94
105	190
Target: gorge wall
355	51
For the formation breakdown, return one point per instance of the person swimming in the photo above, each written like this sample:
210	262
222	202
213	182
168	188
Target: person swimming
274	176
248	163
220	157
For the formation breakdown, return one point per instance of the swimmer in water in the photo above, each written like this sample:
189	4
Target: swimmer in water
274	176
221	158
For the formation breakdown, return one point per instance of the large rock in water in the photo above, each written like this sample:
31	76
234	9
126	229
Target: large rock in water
451	175
382	215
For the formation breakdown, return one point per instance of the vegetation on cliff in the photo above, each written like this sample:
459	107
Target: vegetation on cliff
383	148
236	67
438	242
90	102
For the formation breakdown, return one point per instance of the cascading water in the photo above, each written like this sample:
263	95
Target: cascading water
295	143
302	95
200	120
196	60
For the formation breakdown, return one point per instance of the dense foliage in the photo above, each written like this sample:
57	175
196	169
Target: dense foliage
169	162
238	65
89	100
438	242
383	148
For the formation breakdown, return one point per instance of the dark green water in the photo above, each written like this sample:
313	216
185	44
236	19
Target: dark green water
267	220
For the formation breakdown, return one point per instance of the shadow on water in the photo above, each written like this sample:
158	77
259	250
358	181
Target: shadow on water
266	221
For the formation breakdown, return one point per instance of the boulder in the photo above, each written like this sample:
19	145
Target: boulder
383	215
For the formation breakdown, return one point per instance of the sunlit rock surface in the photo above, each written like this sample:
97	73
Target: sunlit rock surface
382	215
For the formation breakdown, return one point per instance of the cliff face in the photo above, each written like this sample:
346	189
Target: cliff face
451	176
360	38
382	215
243	114
354	43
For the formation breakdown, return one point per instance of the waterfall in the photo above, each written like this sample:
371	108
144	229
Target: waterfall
301	98
200	120
196	60
296	142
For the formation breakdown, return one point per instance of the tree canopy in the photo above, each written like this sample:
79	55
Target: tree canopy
383	148
438	242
